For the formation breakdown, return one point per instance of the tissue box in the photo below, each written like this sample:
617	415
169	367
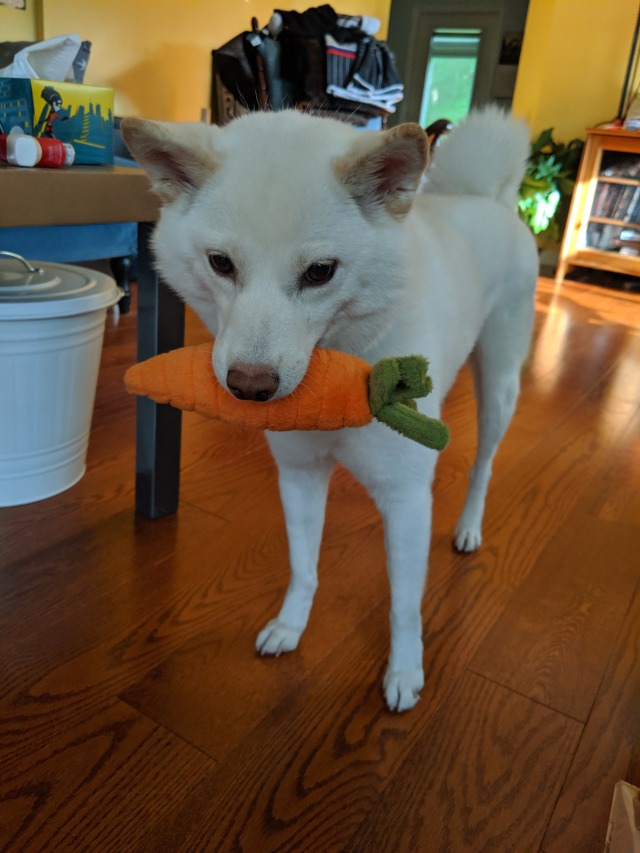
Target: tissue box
70	112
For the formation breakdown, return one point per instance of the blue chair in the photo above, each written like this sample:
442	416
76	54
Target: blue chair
114	242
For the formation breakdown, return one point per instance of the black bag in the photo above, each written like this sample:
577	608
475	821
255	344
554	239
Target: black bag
234	64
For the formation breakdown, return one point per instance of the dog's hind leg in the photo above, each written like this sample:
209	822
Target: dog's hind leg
303	492
496	363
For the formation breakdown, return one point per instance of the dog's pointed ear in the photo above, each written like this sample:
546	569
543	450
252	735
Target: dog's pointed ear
177	157
384	170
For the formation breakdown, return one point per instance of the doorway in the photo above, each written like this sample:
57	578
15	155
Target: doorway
452	63
452	59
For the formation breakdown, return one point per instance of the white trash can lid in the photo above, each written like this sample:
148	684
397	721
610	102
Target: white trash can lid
37	290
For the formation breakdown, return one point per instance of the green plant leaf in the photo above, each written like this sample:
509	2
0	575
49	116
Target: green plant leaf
548	184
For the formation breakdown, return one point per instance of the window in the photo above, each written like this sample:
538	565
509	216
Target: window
451	74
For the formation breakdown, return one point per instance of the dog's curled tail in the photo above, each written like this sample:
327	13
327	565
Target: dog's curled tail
484	155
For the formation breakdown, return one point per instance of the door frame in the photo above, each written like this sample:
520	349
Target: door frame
425	20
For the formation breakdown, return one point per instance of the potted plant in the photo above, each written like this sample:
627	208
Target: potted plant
545	193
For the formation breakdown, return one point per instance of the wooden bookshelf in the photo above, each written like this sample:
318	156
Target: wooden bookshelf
605	206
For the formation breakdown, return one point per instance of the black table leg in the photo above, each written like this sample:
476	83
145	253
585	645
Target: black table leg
121	271
158	427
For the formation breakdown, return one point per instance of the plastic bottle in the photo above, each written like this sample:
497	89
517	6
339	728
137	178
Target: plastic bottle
18	149
54	153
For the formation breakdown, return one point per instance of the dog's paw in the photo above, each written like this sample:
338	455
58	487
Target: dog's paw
276	638
467	538
402	688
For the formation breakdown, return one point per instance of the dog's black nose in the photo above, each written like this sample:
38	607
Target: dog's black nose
252	382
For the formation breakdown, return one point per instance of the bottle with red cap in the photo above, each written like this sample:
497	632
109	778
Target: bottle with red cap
19	149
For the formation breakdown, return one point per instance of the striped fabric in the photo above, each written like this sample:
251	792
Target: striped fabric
364	72
340	61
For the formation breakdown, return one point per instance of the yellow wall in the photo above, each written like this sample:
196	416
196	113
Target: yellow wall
19	25
573	63
156	54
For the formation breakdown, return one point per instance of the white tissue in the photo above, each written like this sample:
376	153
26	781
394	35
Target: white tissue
46	60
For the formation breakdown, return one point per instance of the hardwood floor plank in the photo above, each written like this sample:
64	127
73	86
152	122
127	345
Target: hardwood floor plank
568	610
96	785
572	348
523	511
96	604
185	691
307	775
64	667
458	608
615	495
96	575
466	782
609	749
223	499
577	360
566	615
122	631
469	784
464	596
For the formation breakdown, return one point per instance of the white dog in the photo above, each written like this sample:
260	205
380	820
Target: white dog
285	232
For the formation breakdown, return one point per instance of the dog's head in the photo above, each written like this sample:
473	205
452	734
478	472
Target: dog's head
282	231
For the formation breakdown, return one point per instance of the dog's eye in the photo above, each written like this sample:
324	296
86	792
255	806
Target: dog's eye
320	273
221	263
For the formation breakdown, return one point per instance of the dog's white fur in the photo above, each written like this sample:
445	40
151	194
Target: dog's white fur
449	273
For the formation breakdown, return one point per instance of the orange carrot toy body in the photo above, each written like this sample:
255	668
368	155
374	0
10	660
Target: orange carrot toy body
184	378
339	390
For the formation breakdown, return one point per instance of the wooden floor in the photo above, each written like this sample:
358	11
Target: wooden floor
135	715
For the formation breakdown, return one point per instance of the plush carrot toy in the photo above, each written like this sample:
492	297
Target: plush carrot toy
339	390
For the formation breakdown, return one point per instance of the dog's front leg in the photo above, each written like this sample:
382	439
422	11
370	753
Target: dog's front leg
398	475
407	527
303	492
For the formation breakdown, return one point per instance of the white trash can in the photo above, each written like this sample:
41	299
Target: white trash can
52	319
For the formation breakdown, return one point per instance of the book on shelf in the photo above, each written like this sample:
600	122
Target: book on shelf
615	193
608	237
598	199
606	240
593	235
622	206
617	201
633	208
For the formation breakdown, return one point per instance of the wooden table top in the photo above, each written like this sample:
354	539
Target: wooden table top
75	196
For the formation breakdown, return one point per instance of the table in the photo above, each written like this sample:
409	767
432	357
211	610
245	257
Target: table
89	194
